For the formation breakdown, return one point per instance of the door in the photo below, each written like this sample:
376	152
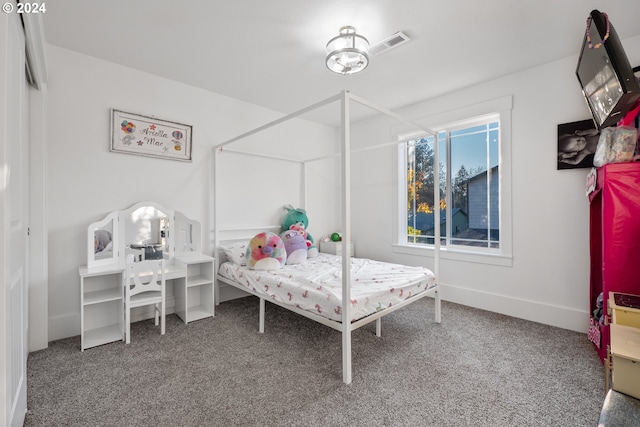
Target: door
14	227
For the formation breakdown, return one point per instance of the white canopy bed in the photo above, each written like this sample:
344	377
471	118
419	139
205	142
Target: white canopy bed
341	280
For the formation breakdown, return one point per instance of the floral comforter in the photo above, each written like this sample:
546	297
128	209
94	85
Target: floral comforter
316	284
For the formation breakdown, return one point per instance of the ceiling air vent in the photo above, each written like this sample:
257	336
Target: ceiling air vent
389	43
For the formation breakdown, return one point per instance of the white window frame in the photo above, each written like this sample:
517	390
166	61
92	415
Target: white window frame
461	118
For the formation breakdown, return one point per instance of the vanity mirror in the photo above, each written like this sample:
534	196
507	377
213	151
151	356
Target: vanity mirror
102	241
187	235
147	230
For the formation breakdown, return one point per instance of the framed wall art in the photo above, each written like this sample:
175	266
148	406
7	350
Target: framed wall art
149	136
577	142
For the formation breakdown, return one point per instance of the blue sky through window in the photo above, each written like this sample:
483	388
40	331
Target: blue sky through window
468	148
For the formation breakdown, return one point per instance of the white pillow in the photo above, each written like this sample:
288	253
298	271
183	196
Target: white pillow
236	252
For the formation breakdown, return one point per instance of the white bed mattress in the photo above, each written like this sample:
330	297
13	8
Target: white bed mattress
316	284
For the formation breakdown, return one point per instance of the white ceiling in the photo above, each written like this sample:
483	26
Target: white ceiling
271	52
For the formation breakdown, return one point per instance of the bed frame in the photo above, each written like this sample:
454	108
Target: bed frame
346	326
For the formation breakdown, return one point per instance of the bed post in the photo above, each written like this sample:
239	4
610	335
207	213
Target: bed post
304	186
346	238
216	230
436	224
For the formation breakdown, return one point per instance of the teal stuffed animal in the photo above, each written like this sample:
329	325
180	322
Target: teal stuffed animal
296	219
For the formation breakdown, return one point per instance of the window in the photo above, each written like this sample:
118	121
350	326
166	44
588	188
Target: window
474	187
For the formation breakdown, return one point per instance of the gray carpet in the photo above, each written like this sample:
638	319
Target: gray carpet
475	369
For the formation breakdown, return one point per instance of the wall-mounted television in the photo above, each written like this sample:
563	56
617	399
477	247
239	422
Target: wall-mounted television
605	75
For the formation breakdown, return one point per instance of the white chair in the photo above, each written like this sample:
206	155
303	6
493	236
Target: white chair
144	285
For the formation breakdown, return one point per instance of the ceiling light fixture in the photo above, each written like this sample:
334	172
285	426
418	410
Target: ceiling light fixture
347	52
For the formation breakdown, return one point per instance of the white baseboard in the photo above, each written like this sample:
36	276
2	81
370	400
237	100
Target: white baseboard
548	314
64	326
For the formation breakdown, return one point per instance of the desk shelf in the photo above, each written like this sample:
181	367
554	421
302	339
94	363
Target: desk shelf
194	293
103	295
198	280
103	335
197	313
101	307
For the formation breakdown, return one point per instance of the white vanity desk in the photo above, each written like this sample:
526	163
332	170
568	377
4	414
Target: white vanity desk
169	234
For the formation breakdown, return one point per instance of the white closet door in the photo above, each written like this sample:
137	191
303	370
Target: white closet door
14	225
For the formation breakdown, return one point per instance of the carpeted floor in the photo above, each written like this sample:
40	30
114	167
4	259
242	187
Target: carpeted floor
475	369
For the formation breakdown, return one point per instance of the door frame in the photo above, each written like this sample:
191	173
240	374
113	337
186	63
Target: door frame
39	242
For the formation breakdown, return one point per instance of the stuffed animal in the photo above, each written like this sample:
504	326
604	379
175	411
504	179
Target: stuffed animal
295	245
296	219
301	231
266	252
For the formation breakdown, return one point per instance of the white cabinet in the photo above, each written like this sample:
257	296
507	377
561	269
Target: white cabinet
102	297
101	307
335	248
194	293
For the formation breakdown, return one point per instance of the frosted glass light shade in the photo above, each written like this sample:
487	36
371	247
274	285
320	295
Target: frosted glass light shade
347	52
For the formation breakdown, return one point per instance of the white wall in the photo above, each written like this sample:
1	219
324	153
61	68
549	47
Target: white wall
548	281
86	181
